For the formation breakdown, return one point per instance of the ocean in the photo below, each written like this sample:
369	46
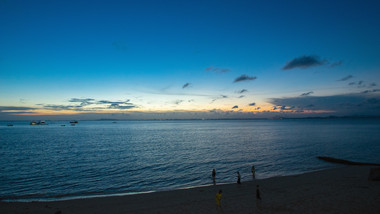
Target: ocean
61	161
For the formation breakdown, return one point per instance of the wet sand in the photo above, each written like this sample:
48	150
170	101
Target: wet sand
340	190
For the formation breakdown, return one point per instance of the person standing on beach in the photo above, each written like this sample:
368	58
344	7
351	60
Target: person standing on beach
253	171
238	177
213	176
218	199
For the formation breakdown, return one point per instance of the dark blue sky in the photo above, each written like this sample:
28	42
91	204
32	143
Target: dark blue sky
210	59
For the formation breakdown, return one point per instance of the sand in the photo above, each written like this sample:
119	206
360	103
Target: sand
339	190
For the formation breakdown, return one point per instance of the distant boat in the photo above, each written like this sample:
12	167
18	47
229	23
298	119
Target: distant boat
10	124
40	122
74	121
35	123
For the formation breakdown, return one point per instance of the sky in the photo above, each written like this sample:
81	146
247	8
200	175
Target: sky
166	59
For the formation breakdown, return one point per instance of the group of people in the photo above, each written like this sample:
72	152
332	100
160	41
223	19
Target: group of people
238	175
219	194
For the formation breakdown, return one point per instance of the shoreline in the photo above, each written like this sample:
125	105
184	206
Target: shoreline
58	198
335	190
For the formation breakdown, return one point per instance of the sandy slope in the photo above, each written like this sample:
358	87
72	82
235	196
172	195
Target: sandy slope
340	190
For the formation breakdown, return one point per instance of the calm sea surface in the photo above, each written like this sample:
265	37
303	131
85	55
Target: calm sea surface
52	162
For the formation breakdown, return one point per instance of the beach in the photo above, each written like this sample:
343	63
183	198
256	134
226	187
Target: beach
338	190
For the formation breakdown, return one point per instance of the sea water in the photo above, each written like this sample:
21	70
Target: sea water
91	158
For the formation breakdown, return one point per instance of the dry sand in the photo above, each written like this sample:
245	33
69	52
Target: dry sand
340	190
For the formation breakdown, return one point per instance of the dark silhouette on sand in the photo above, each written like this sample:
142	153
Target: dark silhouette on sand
213	176
253	171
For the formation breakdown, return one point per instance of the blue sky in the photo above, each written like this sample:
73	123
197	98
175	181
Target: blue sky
188	59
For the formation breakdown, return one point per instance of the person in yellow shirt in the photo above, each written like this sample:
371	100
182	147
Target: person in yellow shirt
218	198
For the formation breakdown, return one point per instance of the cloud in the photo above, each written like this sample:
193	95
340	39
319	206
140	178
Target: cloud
113	102
347	104
362	84
63	107
224	70
84	102
242	91
177	102
186	85
118	106
307	93
244	78
241	96
370	91
89	104
346	78
337	63
216	69
220	97
15	108
252	104
235	107
209	68
304	62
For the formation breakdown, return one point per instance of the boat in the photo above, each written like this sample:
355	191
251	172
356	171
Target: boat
74	121
40	122
10	124
35	123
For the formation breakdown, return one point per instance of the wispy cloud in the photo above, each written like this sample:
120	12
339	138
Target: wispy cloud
346	78
242	91
63	107
370	91
186	85
83	102
307	93
252	104
113	102
216	69
337	63
304	62
220	97
89	104
15	108
177	102
362	84
244	78
235	107
118	106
